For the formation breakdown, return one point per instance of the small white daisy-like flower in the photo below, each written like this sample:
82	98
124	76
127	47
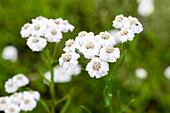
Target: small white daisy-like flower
25	30
4	102
109	54
38	28
67	27
126	34
134	25
90	48
53	35
10	86
28	103
70	46
97	68
167	72
82	37
40	19
56	23
105	39
10	53
16	98
141	73
20	80
119	21
68	60
146	7
12	108
36	43
34	94
114	34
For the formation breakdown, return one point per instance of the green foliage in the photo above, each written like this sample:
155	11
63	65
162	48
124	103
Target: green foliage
149	50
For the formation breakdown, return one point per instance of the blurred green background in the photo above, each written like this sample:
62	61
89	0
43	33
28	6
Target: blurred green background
149	50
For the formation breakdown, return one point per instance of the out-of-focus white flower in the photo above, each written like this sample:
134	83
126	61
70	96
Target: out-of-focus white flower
70	46
53	35
109	54
82	37
36	43
167	72
97	68
146	7
20	80
105	39
10	53
90	48
68	60
119	21
16	98
115	35
10	86
134	25
34	94
67	26
75	71
12	108
126	34
4	102
48	76
28	103
25	30
141	73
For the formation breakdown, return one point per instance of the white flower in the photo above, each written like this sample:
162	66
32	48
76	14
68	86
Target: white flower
141	73
146	7
134	25
75	71
97	68
28	103
167	72
115	35
12	108
105	39
25	30
70	46
119	21
56	23
10	53
38	28
53	35
36	43
67	26
61	75
4	102
109	54
40	19
68	60
20	80
90	48
10	86
34	94
16	98
82	37
126	34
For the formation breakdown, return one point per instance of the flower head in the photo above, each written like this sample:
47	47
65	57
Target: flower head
119	21
4	102
10	86
53	35
20	80
12	108
28	103
10	53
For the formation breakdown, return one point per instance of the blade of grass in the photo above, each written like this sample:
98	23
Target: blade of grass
86	109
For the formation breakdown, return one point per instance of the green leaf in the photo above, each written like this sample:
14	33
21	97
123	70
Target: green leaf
44	105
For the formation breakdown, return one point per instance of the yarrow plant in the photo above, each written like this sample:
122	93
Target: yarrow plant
18	101
99	51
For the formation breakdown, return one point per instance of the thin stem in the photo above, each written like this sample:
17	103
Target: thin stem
54	52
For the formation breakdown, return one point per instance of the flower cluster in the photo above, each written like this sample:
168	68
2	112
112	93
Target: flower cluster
18	101
61	75
16	82
42	30
100	49
128	27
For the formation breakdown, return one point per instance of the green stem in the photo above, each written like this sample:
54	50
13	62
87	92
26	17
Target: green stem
54	52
